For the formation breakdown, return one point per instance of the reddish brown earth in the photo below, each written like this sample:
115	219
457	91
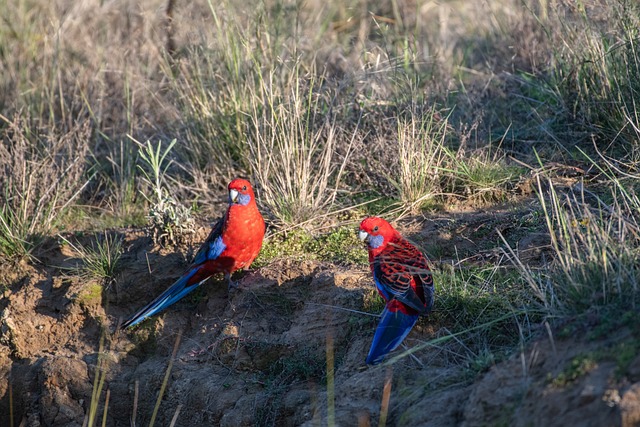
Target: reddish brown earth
258	356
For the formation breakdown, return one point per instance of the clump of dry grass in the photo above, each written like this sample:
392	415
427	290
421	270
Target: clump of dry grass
378	58
95	65
293	150
594	91
42	174
117	180
591	88
420	157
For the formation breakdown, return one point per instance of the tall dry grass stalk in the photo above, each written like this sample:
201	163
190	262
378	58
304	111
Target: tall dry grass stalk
165	381
331	389
102	367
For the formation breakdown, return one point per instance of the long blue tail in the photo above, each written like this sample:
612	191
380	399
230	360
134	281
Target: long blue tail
175	292
394	326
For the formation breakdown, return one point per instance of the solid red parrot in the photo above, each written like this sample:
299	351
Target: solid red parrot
402	278
234	242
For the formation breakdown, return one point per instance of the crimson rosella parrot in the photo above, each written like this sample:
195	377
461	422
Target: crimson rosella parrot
234	242
402	277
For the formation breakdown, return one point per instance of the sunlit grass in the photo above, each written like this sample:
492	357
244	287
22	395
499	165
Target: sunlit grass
596	248
421	155
293	148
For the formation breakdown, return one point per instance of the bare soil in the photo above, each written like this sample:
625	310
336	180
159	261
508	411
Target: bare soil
258	355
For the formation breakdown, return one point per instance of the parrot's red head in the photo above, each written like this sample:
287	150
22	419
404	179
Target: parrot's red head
376	232
240	192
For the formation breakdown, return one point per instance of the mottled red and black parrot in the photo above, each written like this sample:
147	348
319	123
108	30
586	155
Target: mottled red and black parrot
403	279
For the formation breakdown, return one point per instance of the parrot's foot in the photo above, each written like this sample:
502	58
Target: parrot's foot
232	285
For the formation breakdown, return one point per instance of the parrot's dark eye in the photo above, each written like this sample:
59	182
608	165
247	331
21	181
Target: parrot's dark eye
244	188
375	228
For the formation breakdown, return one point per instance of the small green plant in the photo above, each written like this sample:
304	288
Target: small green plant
100	260
90	295
483	361
579	367
624	354
169	220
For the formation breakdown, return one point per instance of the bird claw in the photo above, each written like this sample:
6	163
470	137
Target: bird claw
233	285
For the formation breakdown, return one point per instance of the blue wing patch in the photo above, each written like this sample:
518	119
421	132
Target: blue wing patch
216	248
212	247
210	250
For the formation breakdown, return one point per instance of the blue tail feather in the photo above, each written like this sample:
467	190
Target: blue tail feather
392	329
175	292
